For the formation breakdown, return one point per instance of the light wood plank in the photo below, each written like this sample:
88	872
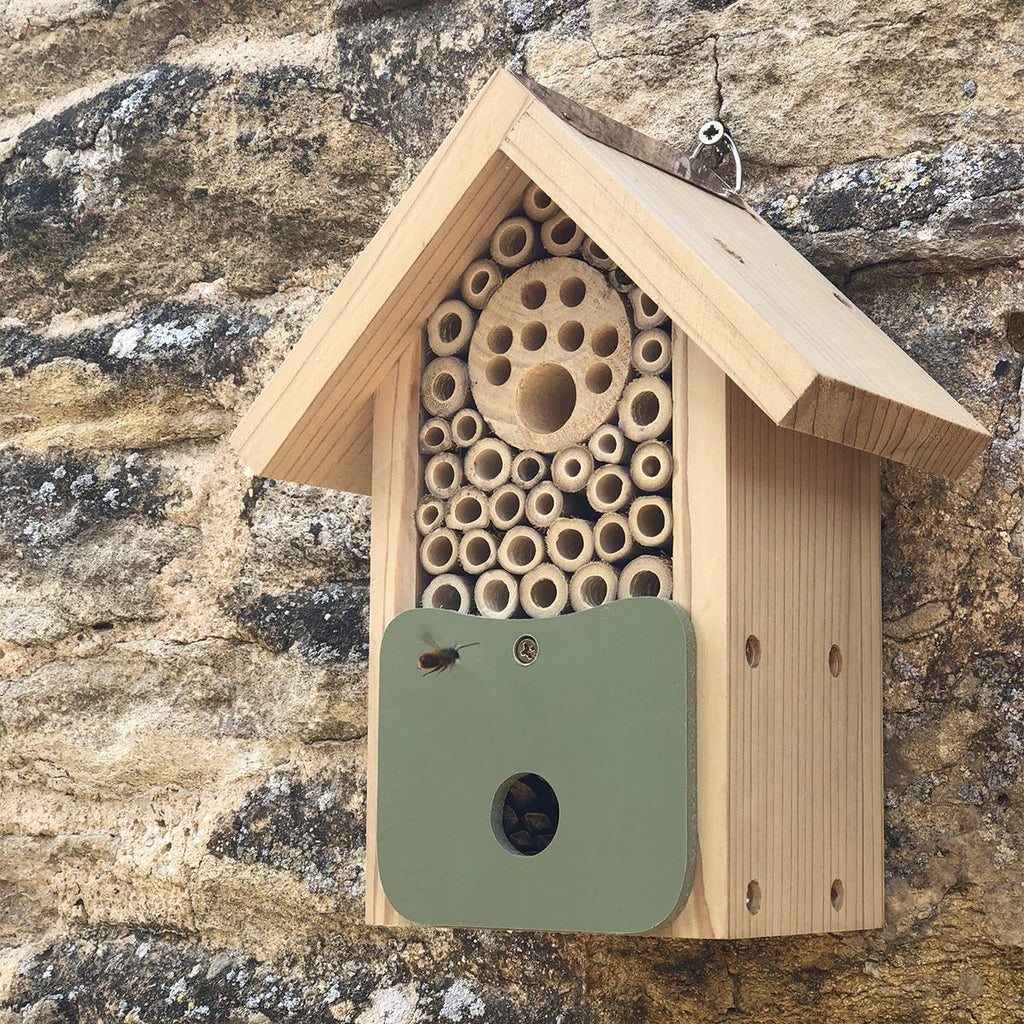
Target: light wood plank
393	571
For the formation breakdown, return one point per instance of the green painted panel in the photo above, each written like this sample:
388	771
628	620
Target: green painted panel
605	714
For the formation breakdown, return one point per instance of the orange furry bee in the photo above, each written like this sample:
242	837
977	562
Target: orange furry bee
441	658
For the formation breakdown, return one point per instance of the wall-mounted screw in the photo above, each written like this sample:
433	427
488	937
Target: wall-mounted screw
525	650
712	133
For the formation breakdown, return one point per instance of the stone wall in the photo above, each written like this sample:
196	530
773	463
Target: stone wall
182	683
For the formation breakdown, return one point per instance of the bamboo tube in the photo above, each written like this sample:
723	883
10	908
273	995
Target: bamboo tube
478	551
646	311
620	280
480	280
467	427
443	475
514	242
429	515
593	584
570	543
448	591
497	594
528	469
450	327
609	489
612	539
646	576
608	444
645	409
544	504
571	468
652	351
439	551
537	203
651	466
467	510
445	386
544	591
650	521
595	255
561	235
435	436
507	506
488	463
520	550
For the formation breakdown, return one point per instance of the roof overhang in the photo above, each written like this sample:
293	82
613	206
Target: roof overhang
777	327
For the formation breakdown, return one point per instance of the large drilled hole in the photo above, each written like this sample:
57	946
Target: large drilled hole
569	544
500	339
546	398
534	335
498	371
443	387
512	241
524	814
572	292
533	294
604	340
644	408
570	335
598	378
450	327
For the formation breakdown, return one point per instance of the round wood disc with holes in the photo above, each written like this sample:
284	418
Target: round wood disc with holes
550	355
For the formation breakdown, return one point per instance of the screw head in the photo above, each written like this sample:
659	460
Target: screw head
525	650
712	133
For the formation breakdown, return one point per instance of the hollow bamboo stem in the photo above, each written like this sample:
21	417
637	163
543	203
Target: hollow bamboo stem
443	475
439	551
496	594
429	515
544	504
488	463
609	444
645	409
467	510
537	203
520	550
478	551
570	543
445	386
480	280
646	311
448	591
467	428
595	255
609	489
544	591
571	468
593	584
650	521
435	436
646	576
450	327
507	506
528	469
612	539
514	242
651	466
651	351
561	235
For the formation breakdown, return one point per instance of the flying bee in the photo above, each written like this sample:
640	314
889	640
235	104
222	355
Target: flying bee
441	658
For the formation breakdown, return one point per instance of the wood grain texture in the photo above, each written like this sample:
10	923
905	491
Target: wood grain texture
393	572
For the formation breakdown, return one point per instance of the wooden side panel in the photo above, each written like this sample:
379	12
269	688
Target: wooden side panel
806	744
700	559
393	569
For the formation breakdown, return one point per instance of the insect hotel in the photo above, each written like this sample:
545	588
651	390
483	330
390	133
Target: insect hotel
623	447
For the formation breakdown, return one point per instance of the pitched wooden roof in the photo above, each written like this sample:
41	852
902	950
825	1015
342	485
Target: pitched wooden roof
802	351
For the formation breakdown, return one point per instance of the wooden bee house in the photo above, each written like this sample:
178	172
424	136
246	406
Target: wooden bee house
582	391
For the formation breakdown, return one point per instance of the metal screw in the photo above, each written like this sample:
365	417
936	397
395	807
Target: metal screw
525	650
712	133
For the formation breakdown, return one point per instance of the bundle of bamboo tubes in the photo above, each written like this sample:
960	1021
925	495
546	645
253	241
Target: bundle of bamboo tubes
511	528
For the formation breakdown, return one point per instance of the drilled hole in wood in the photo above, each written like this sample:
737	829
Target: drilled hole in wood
546	398
450	327
533	294
753	896
572	292
498	371
598	378
835	661
604	340
838	894
524	814
570	335
443	387
512	241
500	339
752	649
645	408
534	335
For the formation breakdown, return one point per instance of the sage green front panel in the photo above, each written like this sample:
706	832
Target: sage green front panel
605	714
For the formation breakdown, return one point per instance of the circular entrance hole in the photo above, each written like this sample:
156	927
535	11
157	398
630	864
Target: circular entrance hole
444	387
500	339
599	378
498	371
533	294
572	292
524	814
570	335
534	334
604	340
546	398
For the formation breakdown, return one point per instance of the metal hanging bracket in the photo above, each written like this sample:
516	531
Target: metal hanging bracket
715	138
